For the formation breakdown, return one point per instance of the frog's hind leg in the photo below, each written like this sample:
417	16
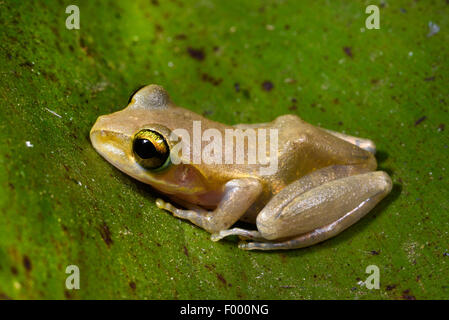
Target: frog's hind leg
365	144
292	191
320	213
317	235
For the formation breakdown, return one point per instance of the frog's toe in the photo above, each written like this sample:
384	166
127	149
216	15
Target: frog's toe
253	246
247	245
241	233
216	236
160	203
221	234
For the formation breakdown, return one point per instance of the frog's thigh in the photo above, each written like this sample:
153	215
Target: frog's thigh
293	190
321	212
365	144
238	196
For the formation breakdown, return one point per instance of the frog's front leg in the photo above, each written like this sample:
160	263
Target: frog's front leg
239	195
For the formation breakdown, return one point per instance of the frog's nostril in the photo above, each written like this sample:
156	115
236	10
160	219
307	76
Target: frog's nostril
110	145
97	125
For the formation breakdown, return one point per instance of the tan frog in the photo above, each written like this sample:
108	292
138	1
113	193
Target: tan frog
324	182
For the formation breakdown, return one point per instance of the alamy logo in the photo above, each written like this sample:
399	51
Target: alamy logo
73	280
373	20
373	281
212	147
73	20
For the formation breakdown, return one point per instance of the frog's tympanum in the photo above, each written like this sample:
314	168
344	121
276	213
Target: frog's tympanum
324	181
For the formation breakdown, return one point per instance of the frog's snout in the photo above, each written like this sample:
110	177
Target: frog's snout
100	125
111	143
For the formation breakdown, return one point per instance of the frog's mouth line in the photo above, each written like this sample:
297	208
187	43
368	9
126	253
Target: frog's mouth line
111	146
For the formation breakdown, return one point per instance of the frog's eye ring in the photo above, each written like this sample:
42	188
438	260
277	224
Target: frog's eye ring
150	149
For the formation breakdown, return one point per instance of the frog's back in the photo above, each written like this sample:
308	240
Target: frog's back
303	148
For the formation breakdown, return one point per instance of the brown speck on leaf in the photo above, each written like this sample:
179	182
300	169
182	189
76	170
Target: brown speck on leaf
407	296
180	36
348	51
237	87
429	79
132	285
267	85
158	28
27	263
374	252
420	120
441	127
67	294
186	251
4	296
207	78
209	267
14	271
221	278
207	113
293	108
390	287
27	64
197	54
106	234
283	257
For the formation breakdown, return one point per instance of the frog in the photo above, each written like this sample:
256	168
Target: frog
325	180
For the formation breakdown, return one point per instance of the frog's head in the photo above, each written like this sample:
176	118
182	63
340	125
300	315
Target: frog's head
137	140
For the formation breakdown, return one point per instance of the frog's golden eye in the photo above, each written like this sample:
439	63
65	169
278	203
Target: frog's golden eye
150	149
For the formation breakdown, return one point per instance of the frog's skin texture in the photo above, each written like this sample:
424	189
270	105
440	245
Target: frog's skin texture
325	182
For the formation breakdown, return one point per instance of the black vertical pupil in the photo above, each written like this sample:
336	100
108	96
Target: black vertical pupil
144	148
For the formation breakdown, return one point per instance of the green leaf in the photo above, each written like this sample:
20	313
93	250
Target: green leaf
61	204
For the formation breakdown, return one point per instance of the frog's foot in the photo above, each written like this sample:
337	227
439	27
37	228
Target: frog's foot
365	144
242	233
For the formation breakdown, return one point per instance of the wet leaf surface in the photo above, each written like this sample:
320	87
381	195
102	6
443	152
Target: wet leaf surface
62	204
